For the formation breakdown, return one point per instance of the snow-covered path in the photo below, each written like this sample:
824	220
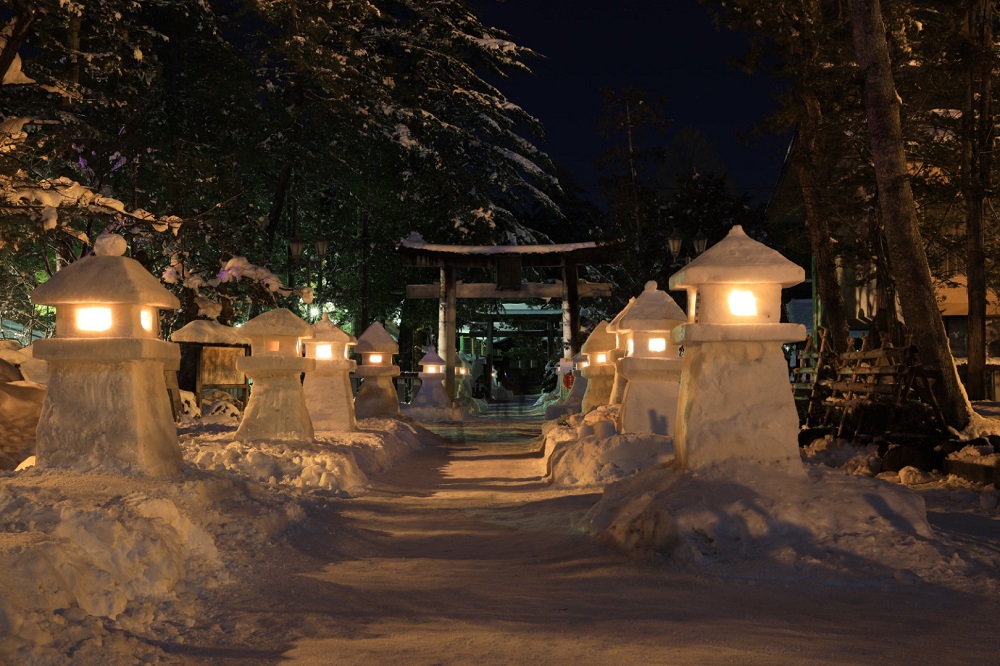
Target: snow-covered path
462	555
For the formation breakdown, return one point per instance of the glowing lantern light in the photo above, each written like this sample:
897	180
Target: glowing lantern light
377	395
734	330
599	373
146	320
328	392
375	358
324	352
601	358
93	319
657	344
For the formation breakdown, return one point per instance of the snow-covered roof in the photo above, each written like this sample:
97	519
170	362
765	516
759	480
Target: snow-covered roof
281	321
376	339
416	241
208	331
737	258
653	310
613	326
431	358
600	340
426	253
105	277
326	331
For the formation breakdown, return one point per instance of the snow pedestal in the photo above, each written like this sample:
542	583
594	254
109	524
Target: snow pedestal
573	403
652	367
277	407
600	369
107	406
431	402
736	402
327	388
377	395
619	382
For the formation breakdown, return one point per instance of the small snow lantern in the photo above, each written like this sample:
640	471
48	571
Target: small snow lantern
277	407
107	405
329	397
736	401
431	401
620	351
652	365
600	372
377	395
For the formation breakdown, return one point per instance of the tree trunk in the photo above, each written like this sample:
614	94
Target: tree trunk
807	168
977	126
909	261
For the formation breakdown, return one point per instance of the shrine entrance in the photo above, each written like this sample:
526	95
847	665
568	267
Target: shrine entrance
507	263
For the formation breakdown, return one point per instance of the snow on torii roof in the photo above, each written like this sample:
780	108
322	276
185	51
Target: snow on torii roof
600	340
206	331
280	321
376	340
422	253
326	331
653	310
738	259
105	277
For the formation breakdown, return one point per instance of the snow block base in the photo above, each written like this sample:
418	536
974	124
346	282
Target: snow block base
330	400
377	397
276	410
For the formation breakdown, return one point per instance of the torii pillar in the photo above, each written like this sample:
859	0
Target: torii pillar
447	327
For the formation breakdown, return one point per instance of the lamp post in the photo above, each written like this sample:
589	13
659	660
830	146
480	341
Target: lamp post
736	401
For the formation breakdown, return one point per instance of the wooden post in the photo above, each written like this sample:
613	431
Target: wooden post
447	327
570	308
488	366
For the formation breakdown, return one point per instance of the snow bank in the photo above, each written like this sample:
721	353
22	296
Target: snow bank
585	450
102	567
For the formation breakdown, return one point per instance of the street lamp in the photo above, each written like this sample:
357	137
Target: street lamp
675	241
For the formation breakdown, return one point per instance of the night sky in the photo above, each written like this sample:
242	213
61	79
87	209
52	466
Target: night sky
668	47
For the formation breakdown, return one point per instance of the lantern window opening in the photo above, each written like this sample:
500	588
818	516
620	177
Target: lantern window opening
324	352
601	358
146	319
742	303
375	358
657	344
272	345
93	319
631	346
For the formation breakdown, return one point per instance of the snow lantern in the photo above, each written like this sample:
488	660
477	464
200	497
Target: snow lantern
329	397
600	371
377	395
431	401
736	401
652	365
277	407
621	349
107	405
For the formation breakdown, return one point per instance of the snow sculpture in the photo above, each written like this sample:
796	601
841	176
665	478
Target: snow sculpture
652	365
277	405
377	395
577	384
736	401
600	369
329	397
431	403
107	350
618	386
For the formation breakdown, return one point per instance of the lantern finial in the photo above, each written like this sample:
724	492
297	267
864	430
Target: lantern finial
650	286
110	245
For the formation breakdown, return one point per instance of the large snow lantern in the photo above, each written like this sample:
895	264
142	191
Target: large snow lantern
329	397
277	407
600	371
620	351
107	405
377	395
652	365
736	401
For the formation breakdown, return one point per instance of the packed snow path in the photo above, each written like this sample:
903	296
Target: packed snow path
463	555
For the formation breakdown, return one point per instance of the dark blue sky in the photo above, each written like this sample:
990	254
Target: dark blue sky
668	47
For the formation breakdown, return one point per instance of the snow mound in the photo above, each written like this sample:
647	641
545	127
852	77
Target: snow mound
104	566
751	520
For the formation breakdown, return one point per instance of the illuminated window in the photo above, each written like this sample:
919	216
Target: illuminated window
602	358
93	319
433	369
631	346
375	358
581	365
742	303
657	344
146	319
272	345
324	351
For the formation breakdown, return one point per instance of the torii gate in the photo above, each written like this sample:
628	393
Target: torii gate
507	260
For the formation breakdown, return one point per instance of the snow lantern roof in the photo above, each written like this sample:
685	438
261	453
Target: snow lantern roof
613	326
653	310
431	357
281	321
326	331
580	358
207	331
105	277
600	340
738	259
376	340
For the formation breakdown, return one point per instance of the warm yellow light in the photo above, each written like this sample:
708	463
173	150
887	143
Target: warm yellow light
324	352
93	319
581	365
272	345
657	344
602	358
433	369
742	303
631	346
146	319
375	358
